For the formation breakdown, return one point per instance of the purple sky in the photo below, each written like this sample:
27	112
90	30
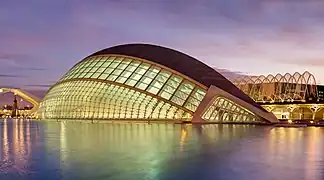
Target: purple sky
40	40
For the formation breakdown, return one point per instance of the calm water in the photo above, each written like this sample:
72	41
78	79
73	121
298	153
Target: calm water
60	150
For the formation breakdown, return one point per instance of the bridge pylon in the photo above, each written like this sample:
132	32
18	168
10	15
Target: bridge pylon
35	101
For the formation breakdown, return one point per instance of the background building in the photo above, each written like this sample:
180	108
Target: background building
290	96
279	88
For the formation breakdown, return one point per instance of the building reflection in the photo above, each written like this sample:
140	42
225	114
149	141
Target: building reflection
5	142
15	143
160	151
141	147
296	149
184	132
225	132
314	149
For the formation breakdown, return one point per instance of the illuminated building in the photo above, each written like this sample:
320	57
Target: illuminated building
148	82
279	88
293	97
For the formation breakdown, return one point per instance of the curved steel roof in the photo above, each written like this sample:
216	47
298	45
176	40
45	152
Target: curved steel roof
181	63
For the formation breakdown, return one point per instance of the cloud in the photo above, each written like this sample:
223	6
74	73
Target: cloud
31	69
318	62
16	59
38	85
10	76
15	56
20	62
221	33
8	86
230	74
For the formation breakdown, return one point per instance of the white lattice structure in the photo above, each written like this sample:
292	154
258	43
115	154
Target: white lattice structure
278	88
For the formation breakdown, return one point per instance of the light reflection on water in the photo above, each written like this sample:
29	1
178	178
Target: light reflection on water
74	150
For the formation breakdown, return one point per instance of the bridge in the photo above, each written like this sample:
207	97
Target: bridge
35	101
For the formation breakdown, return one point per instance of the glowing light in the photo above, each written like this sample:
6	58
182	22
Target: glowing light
289	121
1	90
183	138
312	122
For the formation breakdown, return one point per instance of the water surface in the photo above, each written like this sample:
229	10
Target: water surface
73	150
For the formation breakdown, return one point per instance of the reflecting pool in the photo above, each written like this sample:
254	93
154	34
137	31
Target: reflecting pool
74	150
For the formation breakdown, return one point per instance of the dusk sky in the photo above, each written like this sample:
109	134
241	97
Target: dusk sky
40	39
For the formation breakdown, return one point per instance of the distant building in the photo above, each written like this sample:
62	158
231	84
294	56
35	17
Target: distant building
290	96
14	112
279	88
320	93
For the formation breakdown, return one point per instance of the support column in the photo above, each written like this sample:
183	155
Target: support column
314	110
197	116
290	110
313	115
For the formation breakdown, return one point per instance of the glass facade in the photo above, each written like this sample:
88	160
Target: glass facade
224	110
116	87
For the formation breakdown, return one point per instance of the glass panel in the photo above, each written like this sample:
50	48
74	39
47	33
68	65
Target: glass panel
166	95
121	79
108	71
169	89
99	70
131	82
88	75
107	62
117	72
141	86
133	66
135	76
126	74
157	84
114	64
122	66
146	80
103	76
153	90
140	71
112	77
222	110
